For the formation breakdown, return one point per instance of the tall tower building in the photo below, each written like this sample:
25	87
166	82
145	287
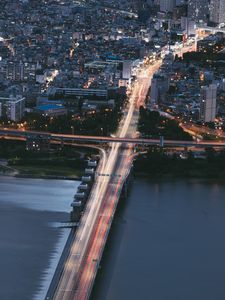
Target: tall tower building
167	5
217	11
159	87
208	103
198	10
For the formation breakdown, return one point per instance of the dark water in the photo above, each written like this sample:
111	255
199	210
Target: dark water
30	240
167	243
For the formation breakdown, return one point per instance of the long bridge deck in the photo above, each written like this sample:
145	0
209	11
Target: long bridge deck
106	139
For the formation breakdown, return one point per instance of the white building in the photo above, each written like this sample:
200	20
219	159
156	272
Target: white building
167	5
41	78
127	69
217	11
188	25
13	108
208	103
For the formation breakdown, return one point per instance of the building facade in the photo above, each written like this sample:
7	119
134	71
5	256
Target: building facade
198	10
167	5
208	103
12	108
159	87
217	11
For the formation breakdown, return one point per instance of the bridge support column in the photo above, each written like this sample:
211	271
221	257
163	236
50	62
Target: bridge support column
125	189
74	216
161	141
62	144
127	183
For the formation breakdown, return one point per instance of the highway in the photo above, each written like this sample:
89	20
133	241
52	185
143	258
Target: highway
83	261
120	160
132	116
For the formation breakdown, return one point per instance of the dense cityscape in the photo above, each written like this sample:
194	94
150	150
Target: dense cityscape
102	100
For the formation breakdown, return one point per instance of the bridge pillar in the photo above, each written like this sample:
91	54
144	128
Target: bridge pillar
161	141
125	189
75	215
62	144
127	183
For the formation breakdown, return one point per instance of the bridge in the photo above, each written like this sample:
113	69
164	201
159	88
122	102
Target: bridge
105	139
81	266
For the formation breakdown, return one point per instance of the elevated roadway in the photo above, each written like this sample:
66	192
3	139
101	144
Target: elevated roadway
211	29
18	134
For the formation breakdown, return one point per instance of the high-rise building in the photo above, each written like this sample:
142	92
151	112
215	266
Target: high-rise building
15	71
13	108
127	67
217	11
208	103
198	10
188	25
167	5
154	91
159	87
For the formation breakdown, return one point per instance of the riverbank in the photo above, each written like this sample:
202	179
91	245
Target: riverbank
157	165
46	170
57	162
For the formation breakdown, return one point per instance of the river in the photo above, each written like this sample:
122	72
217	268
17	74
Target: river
167	240
31	241
167	243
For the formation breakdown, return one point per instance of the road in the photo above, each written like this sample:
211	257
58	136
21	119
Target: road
83	262
212	29
131	131
203	130
86	250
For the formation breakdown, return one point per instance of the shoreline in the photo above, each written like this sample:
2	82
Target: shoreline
30	176
159	166
67	165
137	175
35	172
55	177
176	177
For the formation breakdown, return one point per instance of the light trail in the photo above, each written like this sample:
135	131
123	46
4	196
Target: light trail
110	199
110	192
82	263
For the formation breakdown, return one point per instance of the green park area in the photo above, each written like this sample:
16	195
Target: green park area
160	163
67	162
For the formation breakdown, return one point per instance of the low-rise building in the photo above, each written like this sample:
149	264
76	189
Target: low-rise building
51	110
